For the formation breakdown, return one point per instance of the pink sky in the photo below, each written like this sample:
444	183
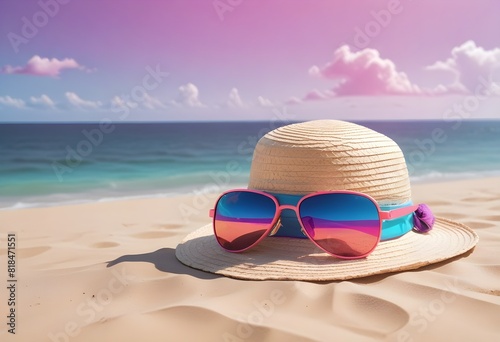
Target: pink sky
243	60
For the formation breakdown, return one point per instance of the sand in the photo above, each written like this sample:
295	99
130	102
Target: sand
107	271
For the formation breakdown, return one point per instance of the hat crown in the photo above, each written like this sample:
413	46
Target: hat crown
327	155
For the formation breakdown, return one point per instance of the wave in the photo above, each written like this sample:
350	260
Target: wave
193	183
54	200
432	176
44	202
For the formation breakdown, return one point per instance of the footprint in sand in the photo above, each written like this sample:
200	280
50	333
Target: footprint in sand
367	308
448	215
163	230
494	218
153	234
478	224
479	199
167	229
169	226
31	251
437	203
105	244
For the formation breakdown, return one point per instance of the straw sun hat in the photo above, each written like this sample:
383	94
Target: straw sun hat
327	155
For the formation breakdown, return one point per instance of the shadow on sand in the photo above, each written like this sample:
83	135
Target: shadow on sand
164	260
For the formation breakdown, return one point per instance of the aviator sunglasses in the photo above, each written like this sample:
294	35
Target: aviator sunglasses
344	224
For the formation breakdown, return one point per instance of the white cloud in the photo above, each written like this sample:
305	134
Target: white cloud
234	100
80	103
292	101
472	65
151	102
362	72
42	101
314	71
39	66
12	102
365	72
188	96
121	101
315	94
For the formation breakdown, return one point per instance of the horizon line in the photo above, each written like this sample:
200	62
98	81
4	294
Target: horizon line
120	122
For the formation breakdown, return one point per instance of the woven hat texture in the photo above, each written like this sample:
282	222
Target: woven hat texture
327	155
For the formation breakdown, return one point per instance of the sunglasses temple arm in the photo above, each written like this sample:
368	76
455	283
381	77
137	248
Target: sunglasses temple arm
393	214
211	213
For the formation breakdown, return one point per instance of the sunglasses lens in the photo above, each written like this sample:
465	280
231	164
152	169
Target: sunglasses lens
242	218
346	225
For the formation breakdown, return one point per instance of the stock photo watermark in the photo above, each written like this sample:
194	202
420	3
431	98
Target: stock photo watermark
30	26
88	309
262	310
220	180
470	103
455	114
429	313
223	6
12	298
381	19
75	155
247	146
139	93
91	140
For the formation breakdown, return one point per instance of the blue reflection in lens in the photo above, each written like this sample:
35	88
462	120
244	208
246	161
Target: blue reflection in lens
246	206
242	218
339	207
346	225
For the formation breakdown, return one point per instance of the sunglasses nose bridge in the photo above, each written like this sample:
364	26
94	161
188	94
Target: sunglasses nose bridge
286	206
279	211
280	208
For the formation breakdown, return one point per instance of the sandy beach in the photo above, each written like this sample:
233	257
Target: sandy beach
107	271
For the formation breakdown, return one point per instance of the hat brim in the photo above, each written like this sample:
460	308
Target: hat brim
282	258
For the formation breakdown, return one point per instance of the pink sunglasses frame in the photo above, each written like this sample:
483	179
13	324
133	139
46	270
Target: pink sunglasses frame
274	227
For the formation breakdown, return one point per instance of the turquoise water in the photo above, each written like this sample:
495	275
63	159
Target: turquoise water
47	164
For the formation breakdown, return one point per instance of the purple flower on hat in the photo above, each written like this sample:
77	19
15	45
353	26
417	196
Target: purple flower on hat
423	218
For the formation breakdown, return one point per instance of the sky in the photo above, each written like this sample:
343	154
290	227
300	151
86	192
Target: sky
197	60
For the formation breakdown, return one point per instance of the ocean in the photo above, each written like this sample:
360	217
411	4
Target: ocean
52	164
